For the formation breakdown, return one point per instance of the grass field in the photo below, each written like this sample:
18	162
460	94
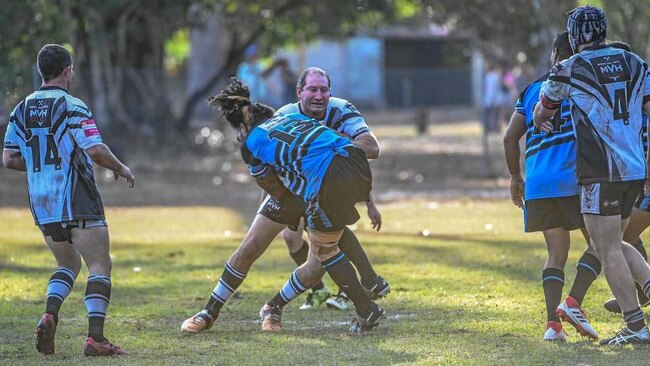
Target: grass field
465	290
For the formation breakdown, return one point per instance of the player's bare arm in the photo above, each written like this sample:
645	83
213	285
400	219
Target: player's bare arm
272	185
542	118
102	155
516	129
373	214
369	144
13	160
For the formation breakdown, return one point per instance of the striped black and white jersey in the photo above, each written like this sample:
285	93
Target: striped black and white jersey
341	116
51	129
606	89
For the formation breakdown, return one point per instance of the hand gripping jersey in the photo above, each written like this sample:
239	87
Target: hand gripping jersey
550	157
340	116
51	128
298	148
606	89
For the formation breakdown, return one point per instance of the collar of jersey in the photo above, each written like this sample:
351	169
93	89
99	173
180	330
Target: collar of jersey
53	87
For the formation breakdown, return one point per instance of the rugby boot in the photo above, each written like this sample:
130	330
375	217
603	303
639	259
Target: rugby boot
554	332
339	302
627	336
271	318
367	322
612	304
316	298
377	289
45	331
570	311
106	348
198	323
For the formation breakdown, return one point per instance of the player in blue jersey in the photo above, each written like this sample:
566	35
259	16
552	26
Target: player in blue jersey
607	89
53	137
325	175
549	197
313	90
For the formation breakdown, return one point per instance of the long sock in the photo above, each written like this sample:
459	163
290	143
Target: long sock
58	289
350	245
588	270
98	296
300	257
228	283
634	319
292	289
552	281
343	274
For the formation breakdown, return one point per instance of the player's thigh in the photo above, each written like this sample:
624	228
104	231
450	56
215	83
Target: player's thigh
639	220
93	245
605	232
258	238
65	253
293	238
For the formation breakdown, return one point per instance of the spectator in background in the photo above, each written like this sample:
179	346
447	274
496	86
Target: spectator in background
492	99
251	73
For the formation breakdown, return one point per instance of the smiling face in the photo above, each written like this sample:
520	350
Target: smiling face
314	96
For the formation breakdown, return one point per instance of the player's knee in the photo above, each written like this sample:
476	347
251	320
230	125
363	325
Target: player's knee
293	239
324	244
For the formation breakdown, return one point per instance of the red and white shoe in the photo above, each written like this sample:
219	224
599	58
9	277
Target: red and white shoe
554	332
106	348
570	311
45	331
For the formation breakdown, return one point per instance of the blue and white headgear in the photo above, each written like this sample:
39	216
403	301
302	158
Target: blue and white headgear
586	24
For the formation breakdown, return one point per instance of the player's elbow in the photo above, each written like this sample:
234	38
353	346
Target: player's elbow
97	152
373	152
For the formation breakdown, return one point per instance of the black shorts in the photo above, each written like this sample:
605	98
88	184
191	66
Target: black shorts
277	212
62	231
348	180
548	213
611	198
643	202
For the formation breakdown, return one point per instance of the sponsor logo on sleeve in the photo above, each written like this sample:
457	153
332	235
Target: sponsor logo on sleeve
89	128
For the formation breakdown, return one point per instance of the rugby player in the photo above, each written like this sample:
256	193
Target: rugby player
549	197
273	217
53	137
607	89
640	218
314	93
329	172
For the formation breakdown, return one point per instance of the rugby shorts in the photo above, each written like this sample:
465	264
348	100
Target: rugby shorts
610	198
348	180
548	213
279	213
62	231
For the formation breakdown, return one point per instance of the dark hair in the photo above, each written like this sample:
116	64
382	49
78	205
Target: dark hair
302	79
51	61
620	45
561	43
235	104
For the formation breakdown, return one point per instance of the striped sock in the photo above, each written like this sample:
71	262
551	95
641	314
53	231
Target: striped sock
634	319
588	270
552	281
228	283
292	289
646	288
58	289
98	296
343	274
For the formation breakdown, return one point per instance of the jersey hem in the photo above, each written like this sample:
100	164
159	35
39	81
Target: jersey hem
85	217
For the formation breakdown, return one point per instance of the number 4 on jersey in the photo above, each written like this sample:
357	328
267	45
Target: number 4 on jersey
51	152
620	106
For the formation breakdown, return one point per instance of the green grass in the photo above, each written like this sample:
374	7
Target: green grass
467	293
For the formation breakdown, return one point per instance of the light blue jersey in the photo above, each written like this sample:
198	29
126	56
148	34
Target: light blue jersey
606	89
298	148
51	129
550	157
341	116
